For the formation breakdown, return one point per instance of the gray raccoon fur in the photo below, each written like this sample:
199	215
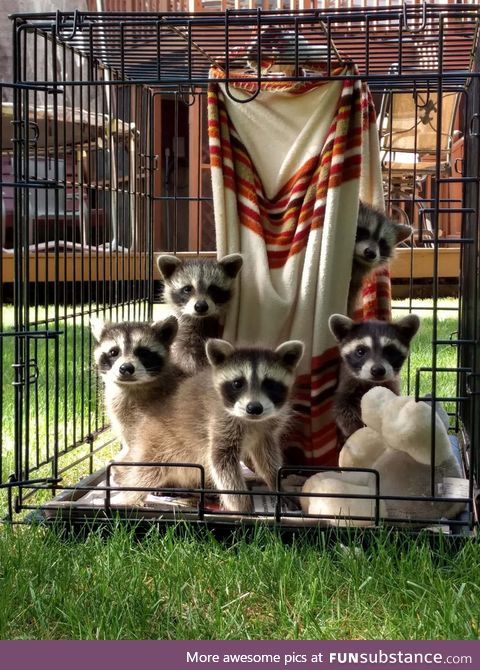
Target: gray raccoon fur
372	354
199	291
376	239
208	422
133	398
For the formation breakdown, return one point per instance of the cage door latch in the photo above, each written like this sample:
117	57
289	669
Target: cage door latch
25	373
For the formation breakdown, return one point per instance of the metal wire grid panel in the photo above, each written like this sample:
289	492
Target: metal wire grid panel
96	101
76	229
420	40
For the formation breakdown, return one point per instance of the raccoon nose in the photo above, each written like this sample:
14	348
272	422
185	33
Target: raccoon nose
201	307
369	254
254	408
126	369
377	371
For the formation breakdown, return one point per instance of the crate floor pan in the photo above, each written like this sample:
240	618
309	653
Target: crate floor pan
93	502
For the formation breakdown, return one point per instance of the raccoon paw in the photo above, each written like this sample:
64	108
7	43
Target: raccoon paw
128	499
234	502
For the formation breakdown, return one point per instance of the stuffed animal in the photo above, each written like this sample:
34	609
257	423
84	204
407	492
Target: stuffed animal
397	443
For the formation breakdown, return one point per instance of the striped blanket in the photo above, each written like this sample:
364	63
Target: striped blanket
288	168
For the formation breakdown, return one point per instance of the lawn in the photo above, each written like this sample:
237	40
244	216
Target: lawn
421	347
172	587
179	586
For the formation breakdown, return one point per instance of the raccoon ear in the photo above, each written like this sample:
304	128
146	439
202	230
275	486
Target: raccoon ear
97	325
167	265
408	326
231	264
291	353
218	351
339	326
403	232
166	330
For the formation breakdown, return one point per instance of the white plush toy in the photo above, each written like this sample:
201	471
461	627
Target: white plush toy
397	443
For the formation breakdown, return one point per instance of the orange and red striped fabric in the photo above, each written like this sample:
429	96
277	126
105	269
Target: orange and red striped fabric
285	222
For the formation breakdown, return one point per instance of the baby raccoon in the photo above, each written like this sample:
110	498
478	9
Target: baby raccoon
133	360
376	239
199	290
238	407
372	353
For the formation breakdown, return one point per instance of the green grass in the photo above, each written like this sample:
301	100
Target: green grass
422	350
172	587
61	408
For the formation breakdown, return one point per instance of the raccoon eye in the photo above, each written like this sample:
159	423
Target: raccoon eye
114	351
361	351
187	289
384	249
238	383
362	234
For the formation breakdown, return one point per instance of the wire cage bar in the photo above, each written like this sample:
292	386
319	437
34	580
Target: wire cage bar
171	48
105	163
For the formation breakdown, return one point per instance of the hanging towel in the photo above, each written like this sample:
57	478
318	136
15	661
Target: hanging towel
288	168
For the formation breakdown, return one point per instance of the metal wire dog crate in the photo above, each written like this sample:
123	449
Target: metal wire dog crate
105	163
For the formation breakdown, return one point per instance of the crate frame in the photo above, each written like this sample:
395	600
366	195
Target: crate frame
109	70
